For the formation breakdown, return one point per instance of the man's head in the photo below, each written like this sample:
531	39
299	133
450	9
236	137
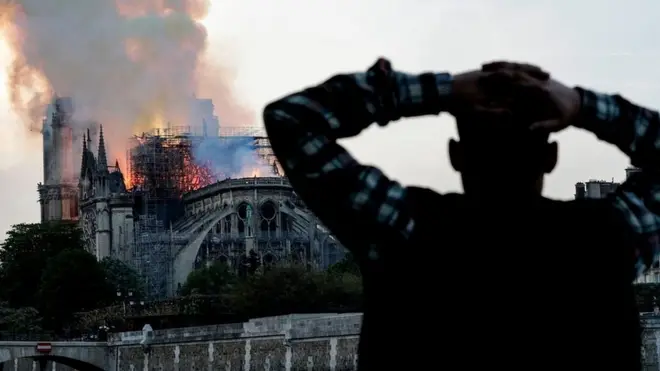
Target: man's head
500	156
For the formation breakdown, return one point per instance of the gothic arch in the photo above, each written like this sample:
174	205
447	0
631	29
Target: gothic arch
245	213
105	210
268	210
243	209
184	261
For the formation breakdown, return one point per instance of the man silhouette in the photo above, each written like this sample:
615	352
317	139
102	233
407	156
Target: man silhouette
499	275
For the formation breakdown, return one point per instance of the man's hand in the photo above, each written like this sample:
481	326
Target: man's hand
554	104
474	91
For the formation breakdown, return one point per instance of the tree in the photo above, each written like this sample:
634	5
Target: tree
341	292
73	281
19	321
279	290
215	279
249	264
25	253
122	277
346	265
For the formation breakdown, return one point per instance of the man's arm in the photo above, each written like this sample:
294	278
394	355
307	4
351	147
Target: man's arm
636	131
359	204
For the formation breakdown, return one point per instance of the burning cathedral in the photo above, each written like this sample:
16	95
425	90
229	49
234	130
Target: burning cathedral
171	208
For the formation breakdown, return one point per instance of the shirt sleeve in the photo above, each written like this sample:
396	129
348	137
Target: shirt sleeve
364	208
636	131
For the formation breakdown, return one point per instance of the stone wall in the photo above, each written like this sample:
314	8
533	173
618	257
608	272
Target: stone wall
294	342
651	343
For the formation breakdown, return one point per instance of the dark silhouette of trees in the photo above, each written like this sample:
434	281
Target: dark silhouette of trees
46	276
215	279
279	289
73	281
122	277
47	279
25	254
346	265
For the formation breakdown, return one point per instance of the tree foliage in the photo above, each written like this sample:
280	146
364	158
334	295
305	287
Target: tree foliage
73	281
46	275
25	254
122	277
346	265
279	289
248	265
19	321
211	280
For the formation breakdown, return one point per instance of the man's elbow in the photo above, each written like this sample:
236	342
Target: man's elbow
273	115
279	126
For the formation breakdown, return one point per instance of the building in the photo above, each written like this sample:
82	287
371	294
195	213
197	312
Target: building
261	214
106	206
600	188
203	112
595	189
58	193
166	214
631	170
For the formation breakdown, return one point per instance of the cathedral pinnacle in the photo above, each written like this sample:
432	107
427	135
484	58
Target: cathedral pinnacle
84	156
102	158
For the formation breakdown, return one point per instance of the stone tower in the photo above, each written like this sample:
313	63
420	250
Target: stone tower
58	194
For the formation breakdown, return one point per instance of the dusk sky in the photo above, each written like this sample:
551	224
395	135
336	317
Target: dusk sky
276	47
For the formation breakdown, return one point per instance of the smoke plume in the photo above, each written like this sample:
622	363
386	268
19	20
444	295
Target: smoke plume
131	65
231	158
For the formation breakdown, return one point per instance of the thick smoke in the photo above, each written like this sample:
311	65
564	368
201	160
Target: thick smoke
131	65
231	157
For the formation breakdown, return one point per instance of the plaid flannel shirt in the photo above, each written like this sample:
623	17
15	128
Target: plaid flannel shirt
364	208
635	131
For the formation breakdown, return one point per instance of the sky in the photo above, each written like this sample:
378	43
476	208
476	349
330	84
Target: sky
276	47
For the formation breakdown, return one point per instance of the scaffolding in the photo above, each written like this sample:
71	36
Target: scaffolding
163	165
152	246
161	168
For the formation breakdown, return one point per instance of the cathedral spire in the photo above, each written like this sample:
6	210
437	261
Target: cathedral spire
84	156
89	140
102	159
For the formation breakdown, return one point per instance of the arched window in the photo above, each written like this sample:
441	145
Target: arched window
268	213
245	215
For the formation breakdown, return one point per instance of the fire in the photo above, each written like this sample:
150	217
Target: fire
152	118
166	163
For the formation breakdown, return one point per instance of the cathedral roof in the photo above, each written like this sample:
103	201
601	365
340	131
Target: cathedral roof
116	183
